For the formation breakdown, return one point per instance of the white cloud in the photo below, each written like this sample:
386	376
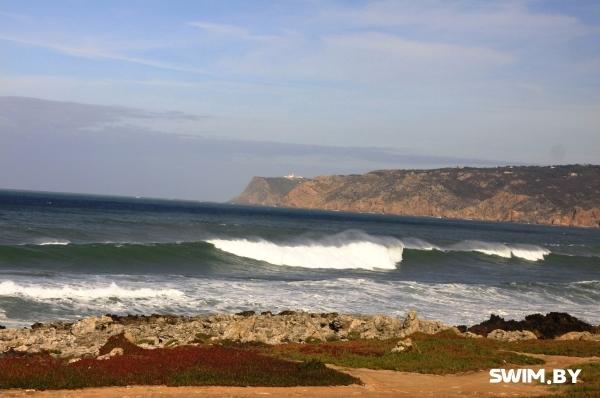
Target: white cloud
485	19
232	31
82	51
407	50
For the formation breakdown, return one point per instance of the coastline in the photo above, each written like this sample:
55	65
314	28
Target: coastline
354	355
85	337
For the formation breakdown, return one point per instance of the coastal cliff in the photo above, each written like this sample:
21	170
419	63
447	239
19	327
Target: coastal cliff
558	195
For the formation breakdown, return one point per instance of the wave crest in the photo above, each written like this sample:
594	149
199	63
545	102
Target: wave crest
526	252
357	250
334	252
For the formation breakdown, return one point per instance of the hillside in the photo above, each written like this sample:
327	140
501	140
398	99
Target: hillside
557	195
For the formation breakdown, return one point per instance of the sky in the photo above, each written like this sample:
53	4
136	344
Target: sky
269	87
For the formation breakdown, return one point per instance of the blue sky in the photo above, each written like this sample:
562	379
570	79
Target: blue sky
504	81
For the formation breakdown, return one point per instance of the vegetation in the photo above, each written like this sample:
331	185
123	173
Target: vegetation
186	365
572	348
232	363
588	387
443	353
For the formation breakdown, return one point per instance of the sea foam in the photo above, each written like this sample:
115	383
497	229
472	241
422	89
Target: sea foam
112	290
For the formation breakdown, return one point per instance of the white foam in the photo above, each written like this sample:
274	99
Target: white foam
10	288
368	255
526	252
59	242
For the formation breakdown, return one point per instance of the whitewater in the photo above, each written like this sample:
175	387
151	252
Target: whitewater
371	254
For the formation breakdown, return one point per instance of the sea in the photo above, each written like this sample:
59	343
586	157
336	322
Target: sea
66	256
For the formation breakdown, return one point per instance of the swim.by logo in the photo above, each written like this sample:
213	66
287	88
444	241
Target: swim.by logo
557	376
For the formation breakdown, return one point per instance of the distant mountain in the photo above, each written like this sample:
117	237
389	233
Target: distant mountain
558	195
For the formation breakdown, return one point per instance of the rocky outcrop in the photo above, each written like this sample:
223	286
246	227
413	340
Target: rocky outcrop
267	191
86	337
558	195
511	336
581	336
546	326
404	345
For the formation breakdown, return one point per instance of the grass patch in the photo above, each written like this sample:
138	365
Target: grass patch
145	341
588	385
202	338
443	353
571	348
178	366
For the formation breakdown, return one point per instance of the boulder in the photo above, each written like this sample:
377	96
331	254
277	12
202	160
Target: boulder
546	326
117	351
470	335
89	325
511	336
583	336
413	324
404	345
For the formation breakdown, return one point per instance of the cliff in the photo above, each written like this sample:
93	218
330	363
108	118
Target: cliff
558	195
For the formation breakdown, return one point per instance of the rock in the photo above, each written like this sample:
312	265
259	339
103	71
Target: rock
287	312
335	325
246	313
524	194
471	335
117	351
87	336
73	360
413	324
89	325
404	345
583	336
511	336
546	326
2	327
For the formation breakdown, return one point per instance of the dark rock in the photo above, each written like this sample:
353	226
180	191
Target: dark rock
2	327
287	312
266	313
329	315
37	325
462	328
246	313
336	325
546	326
137	319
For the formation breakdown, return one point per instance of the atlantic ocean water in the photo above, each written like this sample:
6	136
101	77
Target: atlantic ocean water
65	256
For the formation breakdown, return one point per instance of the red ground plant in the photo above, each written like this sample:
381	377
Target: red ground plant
185	365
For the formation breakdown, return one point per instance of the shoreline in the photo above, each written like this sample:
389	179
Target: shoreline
85	337
289	354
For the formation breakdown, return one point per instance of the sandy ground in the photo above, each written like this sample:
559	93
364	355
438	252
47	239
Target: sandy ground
377	383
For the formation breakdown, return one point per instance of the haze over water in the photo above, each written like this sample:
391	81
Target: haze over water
65	256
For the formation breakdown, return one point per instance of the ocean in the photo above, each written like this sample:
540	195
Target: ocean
65	256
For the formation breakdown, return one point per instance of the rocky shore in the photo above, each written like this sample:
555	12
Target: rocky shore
85	337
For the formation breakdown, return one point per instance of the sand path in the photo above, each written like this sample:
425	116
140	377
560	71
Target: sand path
377	383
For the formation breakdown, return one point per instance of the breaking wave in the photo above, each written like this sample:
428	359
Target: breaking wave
52	242
368	255
352	250
10	288
346	250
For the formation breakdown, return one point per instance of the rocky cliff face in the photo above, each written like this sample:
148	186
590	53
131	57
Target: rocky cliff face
557	195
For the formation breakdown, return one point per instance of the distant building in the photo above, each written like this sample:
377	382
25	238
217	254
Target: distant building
292	176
